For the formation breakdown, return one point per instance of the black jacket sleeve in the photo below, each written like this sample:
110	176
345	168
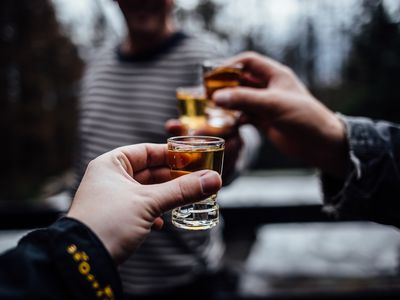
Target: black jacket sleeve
63	261
371	189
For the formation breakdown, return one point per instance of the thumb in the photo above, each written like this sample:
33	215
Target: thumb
248	100
187	189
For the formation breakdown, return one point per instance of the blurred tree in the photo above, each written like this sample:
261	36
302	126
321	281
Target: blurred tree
202	17
100	29
39	71
208	10
370	74
253	42
101	26
301	53
310	52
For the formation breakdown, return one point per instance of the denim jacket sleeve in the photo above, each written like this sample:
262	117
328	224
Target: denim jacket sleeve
371	188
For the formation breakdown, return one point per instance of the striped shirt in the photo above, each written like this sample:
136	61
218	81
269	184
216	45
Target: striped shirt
127	100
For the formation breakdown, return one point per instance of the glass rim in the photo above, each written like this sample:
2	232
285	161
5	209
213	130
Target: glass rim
192	91
190	140
190	87
211	64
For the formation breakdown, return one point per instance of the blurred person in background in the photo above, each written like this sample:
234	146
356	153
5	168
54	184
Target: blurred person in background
128	96
359	158
120	199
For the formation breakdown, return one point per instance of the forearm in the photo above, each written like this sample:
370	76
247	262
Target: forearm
64	261
371	186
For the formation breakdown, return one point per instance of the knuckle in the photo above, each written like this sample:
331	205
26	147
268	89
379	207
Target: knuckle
235	95
238	94
92	164
287	71
251	54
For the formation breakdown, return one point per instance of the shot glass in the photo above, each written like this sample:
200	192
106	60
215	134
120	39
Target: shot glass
218	75
192	104
188	154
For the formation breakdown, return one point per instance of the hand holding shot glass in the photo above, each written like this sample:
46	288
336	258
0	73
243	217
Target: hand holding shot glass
188	154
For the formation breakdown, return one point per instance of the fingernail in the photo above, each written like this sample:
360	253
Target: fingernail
210	182
222	97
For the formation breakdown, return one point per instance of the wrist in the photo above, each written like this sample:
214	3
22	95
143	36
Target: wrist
336	160
96	228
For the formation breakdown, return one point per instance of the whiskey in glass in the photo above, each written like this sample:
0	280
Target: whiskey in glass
188	154
192	107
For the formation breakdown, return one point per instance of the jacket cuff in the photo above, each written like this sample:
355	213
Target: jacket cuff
355	196
83	261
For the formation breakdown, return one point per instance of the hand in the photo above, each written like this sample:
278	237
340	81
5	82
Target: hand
285	111
233	144
122	195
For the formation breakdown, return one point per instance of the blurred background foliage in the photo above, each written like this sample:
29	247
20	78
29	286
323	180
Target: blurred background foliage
348	55
39	70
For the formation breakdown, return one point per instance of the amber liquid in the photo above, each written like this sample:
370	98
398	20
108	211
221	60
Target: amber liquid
205	213
192	111
221	77
185	161
215	79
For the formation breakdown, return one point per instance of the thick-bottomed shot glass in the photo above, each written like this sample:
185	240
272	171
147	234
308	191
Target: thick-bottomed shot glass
188	154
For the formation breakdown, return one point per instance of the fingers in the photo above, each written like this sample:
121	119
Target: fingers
158	224
153	175
187	189
248	100
258	66
135	158
248	79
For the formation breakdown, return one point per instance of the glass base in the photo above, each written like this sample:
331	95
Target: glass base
198	216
